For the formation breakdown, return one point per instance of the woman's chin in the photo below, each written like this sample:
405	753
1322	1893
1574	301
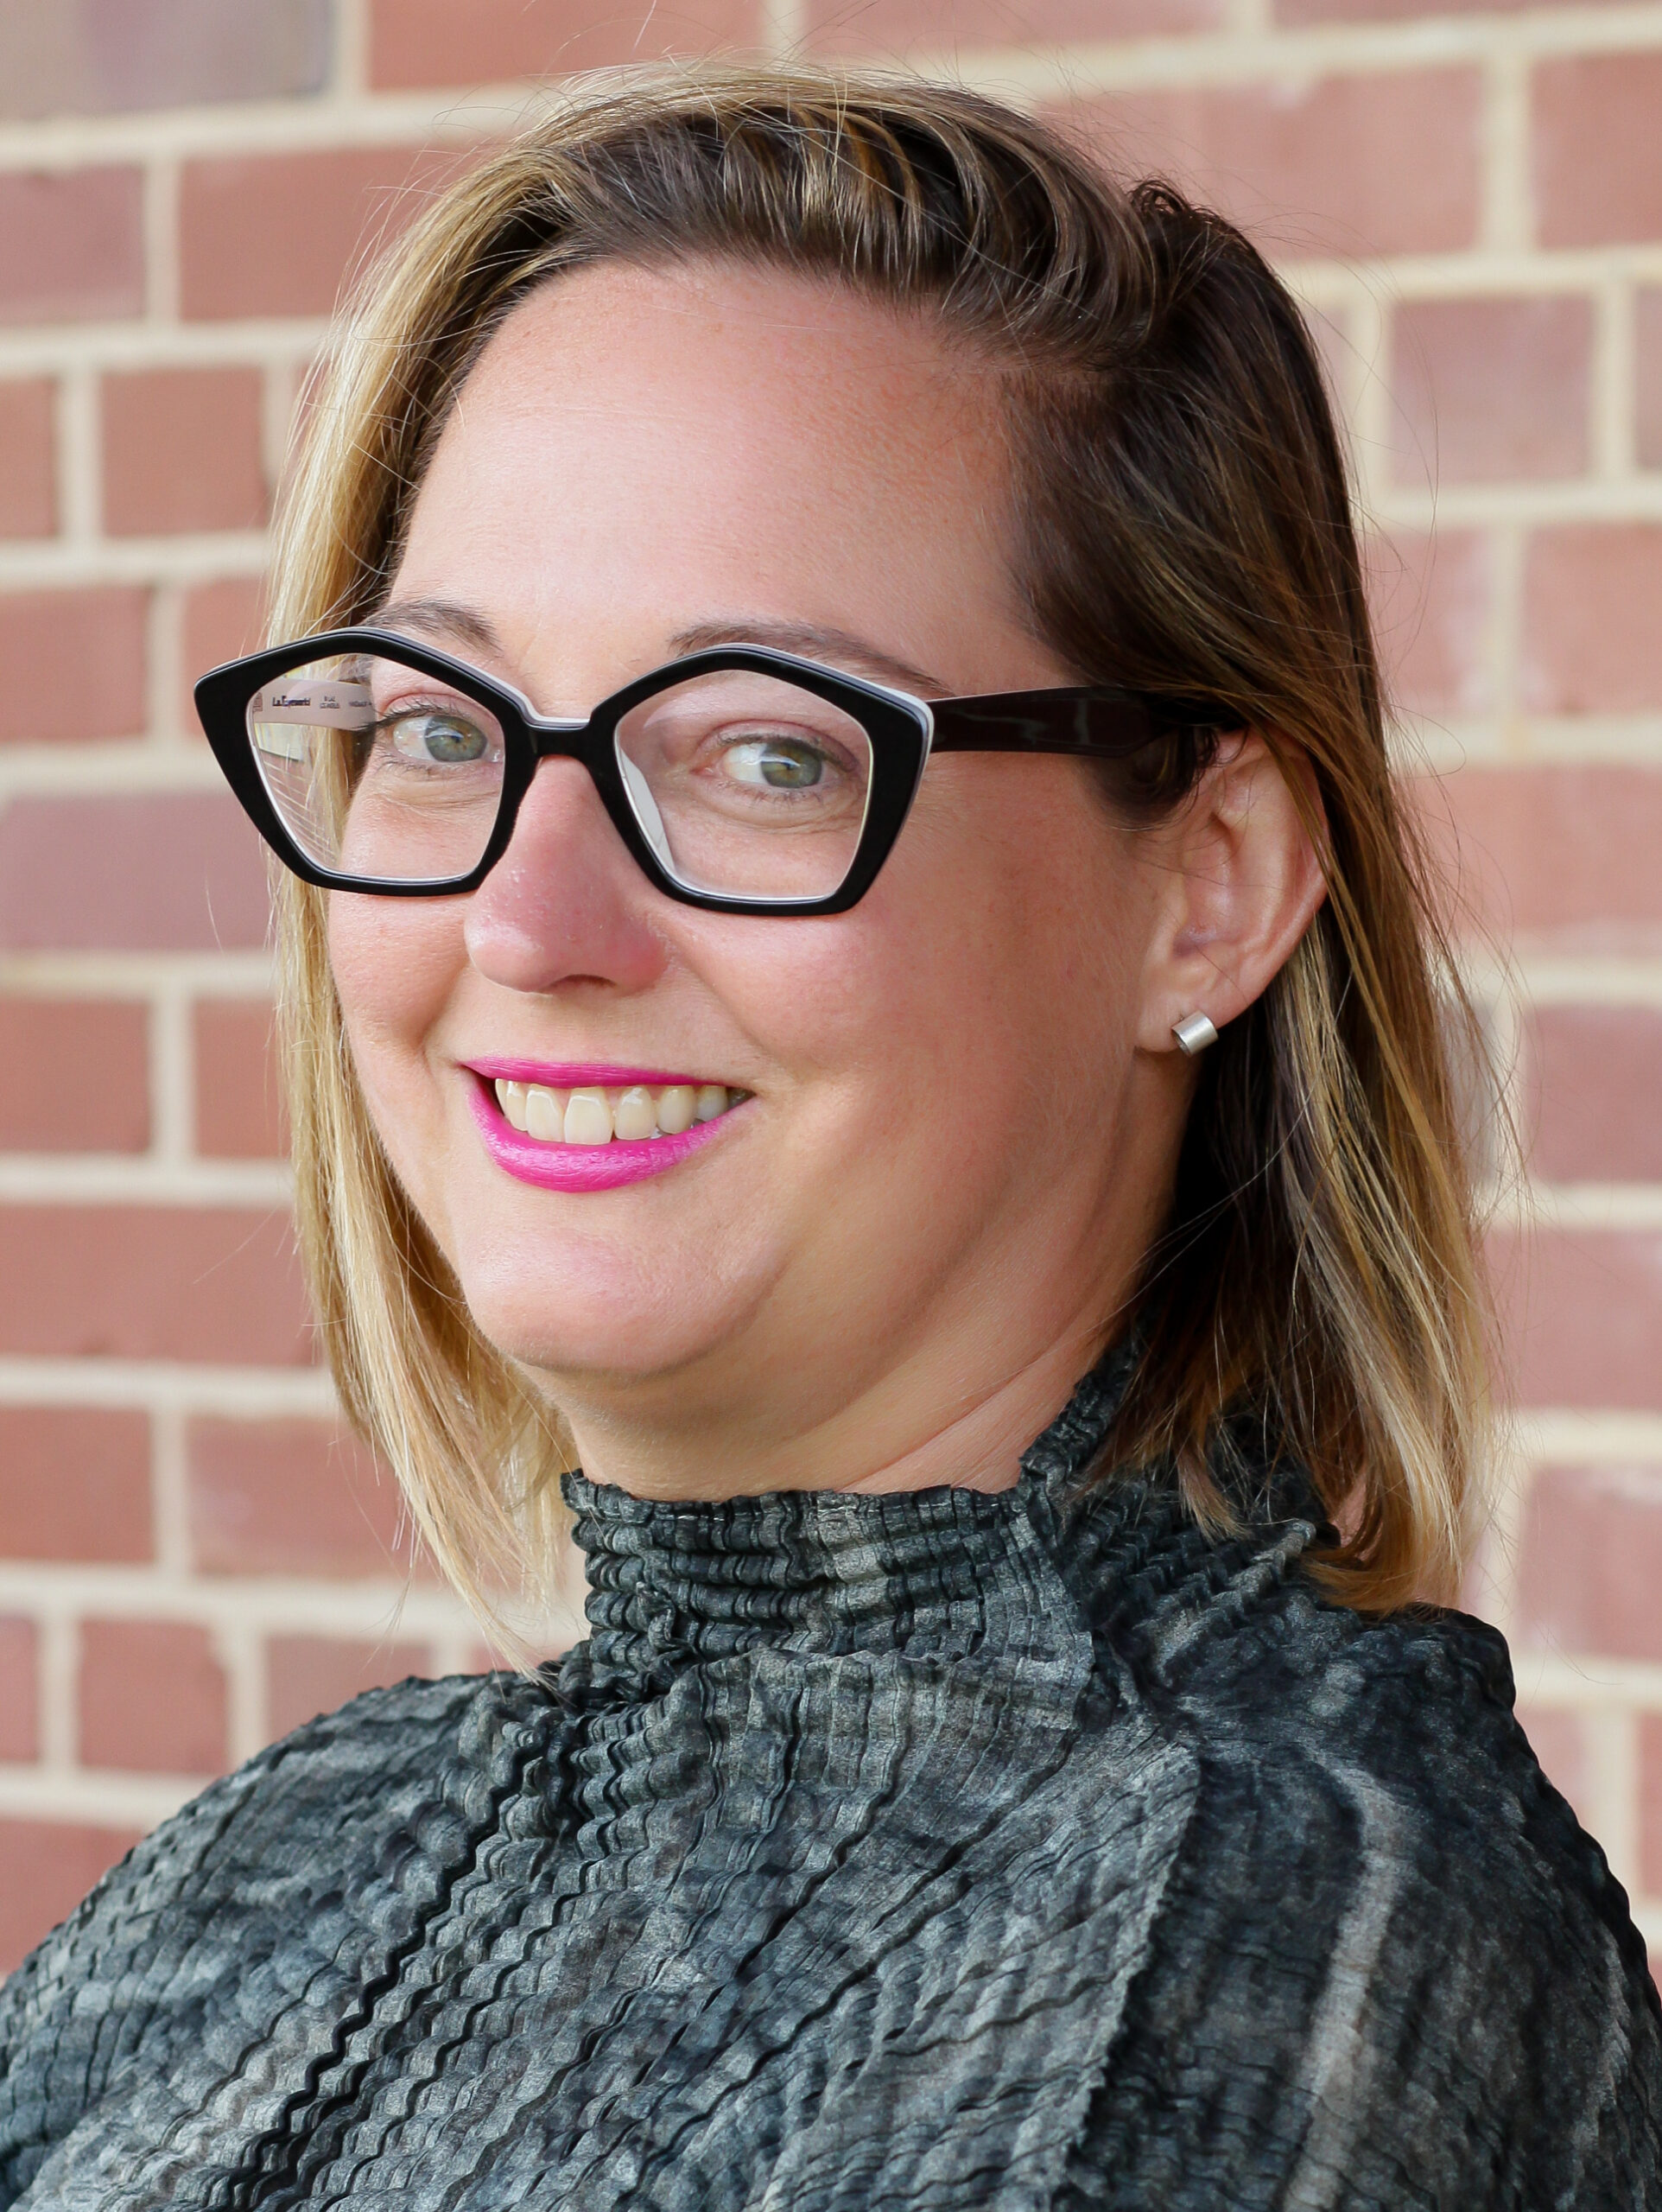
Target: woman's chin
593	1331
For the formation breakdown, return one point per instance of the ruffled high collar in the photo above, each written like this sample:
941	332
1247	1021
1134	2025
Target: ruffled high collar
835	1572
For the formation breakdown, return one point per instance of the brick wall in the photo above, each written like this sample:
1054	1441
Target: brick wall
191	1559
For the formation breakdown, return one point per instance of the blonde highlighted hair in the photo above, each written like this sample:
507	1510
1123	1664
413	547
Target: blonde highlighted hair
1186	527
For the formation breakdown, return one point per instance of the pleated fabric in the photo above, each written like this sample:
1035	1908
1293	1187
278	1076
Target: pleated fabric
928	1850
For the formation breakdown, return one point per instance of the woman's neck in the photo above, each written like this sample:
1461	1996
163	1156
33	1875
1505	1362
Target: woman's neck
900	1435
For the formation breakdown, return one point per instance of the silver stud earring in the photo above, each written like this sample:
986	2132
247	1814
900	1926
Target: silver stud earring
1193	1033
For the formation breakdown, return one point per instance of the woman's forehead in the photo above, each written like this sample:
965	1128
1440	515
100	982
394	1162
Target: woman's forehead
751	386
638	446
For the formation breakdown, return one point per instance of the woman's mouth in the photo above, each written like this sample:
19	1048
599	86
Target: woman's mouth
593	1113
591	1128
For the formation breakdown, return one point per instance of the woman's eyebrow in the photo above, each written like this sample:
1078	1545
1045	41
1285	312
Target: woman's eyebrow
442	618
813	641
452	620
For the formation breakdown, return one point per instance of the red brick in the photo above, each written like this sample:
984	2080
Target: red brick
176	872
1430	597
204	1283
1597	178
221	621
1581	1314
74	1483
75	664
1566	855
1592	592
20	1690
290	1497
1590	1562
152	1698
1650	1807
277	234
182	451
1595	1078
309	1675
28	469
902	29
422	43
46	1869
71	245
1647	378
1486	390
238	1110
70	57
74	1075
1559	1742
1375	164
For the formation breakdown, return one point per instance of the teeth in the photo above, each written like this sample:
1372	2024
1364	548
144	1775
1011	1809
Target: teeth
592	1116
676	1107
635	1115
545	1113
588	1118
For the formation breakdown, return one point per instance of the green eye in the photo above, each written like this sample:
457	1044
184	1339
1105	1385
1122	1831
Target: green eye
776	763
443	738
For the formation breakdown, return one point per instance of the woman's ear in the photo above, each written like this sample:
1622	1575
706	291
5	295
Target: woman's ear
1243	882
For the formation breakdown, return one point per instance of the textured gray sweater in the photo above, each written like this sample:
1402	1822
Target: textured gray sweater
926	1852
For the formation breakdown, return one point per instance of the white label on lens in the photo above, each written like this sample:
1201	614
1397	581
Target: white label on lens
315	704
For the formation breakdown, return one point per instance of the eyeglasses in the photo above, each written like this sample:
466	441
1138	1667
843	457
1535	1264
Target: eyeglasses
740	779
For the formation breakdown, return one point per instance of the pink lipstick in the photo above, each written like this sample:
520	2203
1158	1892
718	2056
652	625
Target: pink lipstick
577	1075
552	1165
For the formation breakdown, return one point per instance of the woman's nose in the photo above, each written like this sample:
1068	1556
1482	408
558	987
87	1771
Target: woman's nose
566	902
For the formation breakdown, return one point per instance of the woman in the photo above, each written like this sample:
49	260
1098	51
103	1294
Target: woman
718	1067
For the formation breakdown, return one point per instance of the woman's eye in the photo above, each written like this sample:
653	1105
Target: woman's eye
444	740
775	764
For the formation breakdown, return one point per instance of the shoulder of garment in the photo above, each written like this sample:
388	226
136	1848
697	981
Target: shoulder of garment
250	1884
1390	1969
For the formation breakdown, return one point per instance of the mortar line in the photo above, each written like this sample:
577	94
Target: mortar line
242	1654
79	478
784	28
188	556
170	1134
1612	1763
1506	220
250	1394
1613	385
160	221
1505	550
170	1494
168	1176
107	767
348	78
163	623
101	972
58	1654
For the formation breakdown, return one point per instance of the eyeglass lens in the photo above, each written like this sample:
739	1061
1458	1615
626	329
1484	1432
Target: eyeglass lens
747	785
744	785
377	770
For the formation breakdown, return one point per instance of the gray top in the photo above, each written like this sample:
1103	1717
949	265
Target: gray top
928	1851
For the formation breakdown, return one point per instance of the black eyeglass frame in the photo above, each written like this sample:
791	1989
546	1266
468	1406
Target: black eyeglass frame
1093	721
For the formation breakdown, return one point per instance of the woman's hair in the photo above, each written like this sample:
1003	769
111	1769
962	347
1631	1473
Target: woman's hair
1184	525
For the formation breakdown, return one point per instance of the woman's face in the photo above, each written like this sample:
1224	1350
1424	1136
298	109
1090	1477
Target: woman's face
951	1147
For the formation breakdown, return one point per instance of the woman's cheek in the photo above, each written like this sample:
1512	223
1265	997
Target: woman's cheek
395	965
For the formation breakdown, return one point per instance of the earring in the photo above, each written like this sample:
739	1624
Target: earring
1193	1033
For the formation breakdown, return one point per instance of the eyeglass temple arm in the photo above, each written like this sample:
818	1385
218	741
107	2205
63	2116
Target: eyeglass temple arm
1089	720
